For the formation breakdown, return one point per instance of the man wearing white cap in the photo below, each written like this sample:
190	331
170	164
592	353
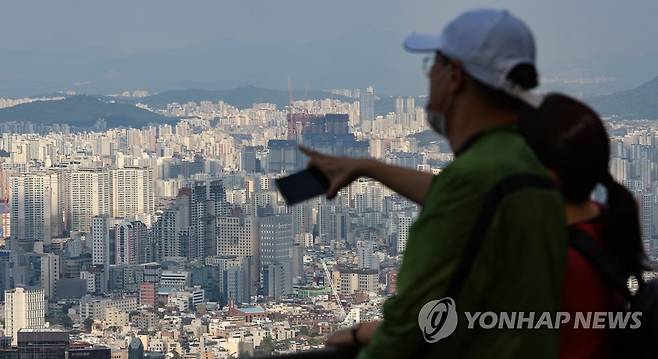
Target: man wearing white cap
491	236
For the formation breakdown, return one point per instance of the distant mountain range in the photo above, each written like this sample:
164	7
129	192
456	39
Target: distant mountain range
82	112
641	102
638	103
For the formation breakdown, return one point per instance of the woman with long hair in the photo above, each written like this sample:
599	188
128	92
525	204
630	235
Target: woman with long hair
570	139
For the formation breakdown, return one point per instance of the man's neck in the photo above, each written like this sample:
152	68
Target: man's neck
471	122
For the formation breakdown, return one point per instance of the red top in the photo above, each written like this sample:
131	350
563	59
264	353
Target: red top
585	290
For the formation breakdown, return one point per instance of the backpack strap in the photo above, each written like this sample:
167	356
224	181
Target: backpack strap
505	187
603	262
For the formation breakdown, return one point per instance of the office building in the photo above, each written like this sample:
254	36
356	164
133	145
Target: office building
135	349
367	105
129	238
5	278
237	235
410	105
147	294
249	161
98	352
365	254
43	343
399	105
100	250
403	224
276	244
283	156
175	279
25	308
277	280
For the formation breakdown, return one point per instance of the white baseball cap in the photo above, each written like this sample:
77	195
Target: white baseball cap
489	43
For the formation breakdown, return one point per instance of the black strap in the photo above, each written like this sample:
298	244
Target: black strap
501	190
606	264
472	247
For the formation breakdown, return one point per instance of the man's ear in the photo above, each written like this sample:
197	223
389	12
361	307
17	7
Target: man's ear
457	77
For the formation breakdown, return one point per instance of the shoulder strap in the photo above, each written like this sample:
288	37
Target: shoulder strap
604	263
504	188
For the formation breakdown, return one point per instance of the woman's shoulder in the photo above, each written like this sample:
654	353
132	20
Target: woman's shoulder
592	226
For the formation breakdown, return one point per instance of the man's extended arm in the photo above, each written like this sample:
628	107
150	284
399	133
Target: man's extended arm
411	184
341	171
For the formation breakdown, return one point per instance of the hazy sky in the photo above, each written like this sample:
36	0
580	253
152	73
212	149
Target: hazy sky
106	46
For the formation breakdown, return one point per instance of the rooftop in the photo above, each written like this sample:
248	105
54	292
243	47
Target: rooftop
252	310
42	330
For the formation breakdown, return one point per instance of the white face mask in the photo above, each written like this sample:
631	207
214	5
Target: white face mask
438	120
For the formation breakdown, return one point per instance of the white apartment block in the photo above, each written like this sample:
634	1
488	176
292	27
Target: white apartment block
90	195
35	209
132	191
24	308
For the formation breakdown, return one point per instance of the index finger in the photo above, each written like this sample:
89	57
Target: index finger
309	152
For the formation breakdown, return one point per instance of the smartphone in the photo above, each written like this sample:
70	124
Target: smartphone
303	185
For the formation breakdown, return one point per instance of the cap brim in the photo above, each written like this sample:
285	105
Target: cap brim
422	43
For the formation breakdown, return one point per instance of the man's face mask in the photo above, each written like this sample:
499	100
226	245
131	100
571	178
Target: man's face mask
438	120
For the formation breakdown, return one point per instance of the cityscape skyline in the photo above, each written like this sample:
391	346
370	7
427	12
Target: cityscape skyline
115	227
141	144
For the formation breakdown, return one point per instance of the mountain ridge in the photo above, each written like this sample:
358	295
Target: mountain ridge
82	111
640	102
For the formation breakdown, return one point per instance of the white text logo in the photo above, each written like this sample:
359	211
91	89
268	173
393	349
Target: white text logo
437	319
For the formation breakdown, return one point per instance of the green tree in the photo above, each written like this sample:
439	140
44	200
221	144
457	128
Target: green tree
62	316
87	323
266	346
315	341
285	345
53	319
305	330
67	322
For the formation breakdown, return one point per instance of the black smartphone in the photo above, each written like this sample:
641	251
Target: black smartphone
303	185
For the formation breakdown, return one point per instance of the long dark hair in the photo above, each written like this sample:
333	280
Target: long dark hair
569	138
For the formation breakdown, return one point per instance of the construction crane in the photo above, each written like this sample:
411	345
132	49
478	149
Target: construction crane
327	276
291	100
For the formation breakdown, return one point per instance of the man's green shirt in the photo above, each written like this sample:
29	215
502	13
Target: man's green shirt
519	267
